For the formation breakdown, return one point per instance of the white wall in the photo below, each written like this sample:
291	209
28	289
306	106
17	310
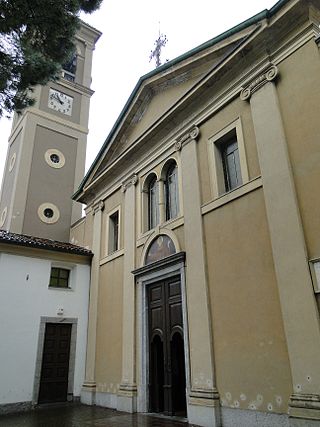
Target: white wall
24	298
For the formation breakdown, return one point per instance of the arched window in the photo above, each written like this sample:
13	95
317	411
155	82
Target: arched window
153	203
171	192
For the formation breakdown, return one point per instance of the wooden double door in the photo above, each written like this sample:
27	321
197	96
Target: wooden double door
55	363
167	381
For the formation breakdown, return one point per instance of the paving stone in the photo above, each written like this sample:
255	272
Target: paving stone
77	415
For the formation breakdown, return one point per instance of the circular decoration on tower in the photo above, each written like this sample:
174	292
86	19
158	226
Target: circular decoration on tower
54	158
3	216
48	213
12	161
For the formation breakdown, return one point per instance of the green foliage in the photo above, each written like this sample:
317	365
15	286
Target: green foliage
36	39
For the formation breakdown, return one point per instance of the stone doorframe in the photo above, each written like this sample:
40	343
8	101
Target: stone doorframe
166	268
42	329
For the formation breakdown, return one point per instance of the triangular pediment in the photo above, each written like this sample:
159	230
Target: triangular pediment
153	102
152	98
163	98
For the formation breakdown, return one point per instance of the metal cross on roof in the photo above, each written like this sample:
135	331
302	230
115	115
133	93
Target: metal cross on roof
156	52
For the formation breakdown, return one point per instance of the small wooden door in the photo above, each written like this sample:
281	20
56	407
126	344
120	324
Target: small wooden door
167	384
55	363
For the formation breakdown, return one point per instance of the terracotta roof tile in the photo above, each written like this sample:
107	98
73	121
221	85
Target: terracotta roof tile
40	243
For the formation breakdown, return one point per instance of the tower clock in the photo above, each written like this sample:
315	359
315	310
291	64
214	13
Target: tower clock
46	151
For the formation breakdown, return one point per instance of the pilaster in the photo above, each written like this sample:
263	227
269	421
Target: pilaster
300	316
203	399
127	394
89	385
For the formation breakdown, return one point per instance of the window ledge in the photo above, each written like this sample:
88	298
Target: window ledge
232	195
173	223
112	256
53	288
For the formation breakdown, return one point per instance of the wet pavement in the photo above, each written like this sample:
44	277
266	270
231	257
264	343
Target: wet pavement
77	415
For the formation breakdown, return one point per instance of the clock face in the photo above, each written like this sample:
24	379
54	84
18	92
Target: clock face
59	101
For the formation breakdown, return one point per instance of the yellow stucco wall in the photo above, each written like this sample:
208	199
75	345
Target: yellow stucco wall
252	365
299	96
109	328
82	231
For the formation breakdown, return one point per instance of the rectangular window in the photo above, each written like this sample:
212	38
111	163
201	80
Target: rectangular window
227	157
113	243
59	278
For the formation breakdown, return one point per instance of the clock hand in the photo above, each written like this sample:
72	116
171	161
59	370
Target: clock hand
59	99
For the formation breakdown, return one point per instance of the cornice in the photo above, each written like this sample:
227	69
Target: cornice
46	116
158	265
258	81
77	87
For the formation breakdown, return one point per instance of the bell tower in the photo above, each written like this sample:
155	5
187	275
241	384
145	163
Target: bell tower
46	151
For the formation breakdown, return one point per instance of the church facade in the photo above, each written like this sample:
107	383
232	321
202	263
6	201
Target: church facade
201	213
202	219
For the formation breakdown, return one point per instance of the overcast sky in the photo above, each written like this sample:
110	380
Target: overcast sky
130	29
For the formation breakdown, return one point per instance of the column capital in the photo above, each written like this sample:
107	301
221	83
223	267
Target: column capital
190	135
132	180
98	206
268	75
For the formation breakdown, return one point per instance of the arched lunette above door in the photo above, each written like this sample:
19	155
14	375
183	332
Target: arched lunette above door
161	247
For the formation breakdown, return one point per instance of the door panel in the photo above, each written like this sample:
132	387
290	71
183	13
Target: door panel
166	349
55	363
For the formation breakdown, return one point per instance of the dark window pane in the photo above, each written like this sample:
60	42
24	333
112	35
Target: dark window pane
48	213
71	65
114	232
171	192
63	283
53	281
55	158
231	165
59	277
55	272
153	203
64	273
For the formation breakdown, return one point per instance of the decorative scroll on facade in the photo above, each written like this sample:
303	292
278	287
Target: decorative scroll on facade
160	248
192	134
130	181
267	76
99	206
